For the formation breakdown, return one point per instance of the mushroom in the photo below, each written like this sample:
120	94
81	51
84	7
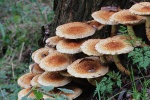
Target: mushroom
65	73
34	81
40	54
35	68
114	46
95	24
69	46
127	18
55	62
103	16
88	67
88	47
53	79
52	41
24	80
143	9
24	92
75	30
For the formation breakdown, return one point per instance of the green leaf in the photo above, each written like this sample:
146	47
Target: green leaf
47	88
66	90
38	94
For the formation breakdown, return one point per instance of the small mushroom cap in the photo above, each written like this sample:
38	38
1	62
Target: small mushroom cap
126	17
113	46
53	79
142	8
35	68
40	54
24	92
55	62
34	81
69	46
52	41
96	24
65	73
88	47
24	80
87	68
75	30
103	16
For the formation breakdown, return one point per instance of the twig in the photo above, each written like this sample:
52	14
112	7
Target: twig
12	66
20	56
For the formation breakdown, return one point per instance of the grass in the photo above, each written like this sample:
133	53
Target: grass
20	25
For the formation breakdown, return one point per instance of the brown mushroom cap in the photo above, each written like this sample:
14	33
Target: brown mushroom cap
126	17
55	62
40	54
34	81
142	8
103	16
88	47
52	41
75	30
35	68
96	24
69	46
113	46
65	73
24	80
24	92
87	68
53	79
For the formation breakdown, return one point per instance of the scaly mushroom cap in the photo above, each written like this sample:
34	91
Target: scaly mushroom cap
55	62
40	54
35	68
103	16
88	47
24	80
113	46
126	17
142	8
75	30
34	81
95	24
52	41
24	92
69	46
87	68
53	79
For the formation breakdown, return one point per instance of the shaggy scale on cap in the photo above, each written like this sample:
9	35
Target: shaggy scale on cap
52	41
55	62
35	68
24	92
87	68
69	46
113	46
75	30
126	17
88	47
142	8
53	79
24	80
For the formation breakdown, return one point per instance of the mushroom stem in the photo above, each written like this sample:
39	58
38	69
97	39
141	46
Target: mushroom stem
131	32
103	59
148	27
113	30
119	65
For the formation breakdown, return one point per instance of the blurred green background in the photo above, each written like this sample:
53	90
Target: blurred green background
20	30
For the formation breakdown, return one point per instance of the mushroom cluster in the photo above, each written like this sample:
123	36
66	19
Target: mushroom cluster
58	63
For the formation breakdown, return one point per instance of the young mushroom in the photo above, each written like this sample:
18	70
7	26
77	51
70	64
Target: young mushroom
35	68
34	81
143	9
53	79
114	46
95	24
24	92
